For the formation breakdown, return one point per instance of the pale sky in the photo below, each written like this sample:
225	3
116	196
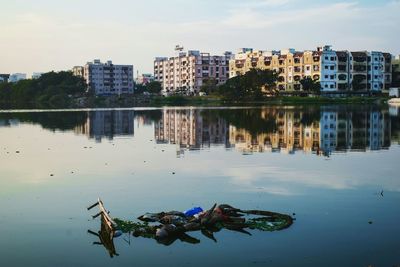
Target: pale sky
45	35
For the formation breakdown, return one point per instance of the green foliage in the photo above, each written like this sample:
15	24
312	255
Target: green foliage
310	85
209	86
151	88
154	87
248	86
51	88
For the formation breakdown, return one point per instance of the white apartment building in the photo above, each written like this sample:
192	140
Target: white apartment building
187	72
107	78
37	75
339	72
17	77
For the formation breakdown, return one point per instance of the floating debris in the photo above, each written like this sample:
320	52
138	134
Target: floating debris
167	227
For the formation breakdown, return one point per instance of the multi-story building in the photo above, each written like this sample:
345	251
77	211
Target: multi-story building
17	77
78	71
340	72
396	72
145	78
4	77
187	72
107	78
36	75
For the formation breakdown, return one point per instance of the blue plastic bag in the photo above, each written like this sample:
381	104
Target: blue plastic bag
193	211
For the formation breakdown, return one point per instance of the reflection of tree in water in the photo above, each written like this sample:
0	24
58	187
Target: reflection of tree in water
49	120
151	115
255	121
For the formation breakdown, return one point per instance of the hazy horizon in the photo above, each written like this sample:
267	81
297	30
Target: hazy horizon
44	35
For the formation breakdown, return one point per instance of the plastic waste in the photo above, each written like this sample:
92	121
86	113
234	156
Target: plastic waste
117	233
193	211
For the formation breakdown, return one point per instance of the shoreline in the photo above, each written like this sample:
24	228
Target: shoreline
206	101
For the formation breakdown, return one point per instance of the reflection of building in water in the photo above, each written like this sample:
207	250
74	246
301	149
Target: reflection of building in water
339	131
290	136
189	129
354	131
108	124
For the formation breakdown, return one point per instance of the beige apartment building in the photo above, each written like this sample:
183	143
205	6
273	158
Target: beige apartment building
337	71
187	72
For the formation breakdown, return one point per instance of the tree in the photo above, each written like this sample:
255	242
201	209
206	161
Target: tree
50	86
250	86
154	87
209	86
311	85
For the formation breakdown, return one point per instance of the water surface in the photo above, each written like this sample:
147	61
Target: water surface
334	167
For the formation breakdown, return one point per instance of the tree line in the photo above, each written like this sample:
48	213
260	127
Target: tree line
52	88
255	84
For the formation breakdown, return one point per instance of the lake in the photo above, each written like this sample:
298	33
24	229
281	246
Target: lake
335	169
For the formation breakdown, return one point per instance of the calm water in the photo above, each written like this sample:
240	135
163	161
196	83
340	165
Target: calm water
335	167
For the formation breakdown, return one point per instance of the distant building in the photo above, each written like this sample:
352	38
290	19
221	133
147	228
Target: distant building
340	72
78	71
4	77
187	72
37	75
396	72
17	77
107	78
145	78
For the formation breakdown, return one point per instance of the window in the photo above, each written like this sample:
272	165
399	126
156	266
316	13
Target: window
332	67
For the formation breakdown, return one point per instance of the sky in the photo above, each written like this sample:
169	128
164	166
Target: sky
45	35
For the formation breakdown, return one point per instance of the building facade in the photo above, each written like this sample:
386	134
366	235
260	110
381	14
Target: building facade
107	78
78	71
145	78
4	77
396	72
37	75
187	72
337	71
16	77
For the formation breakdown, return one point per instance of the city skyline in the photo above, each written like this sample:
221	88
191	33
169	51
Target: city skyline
44	36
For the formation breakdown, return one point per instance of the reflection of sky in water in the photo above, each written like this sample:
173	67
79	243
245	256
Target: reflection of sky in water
44	218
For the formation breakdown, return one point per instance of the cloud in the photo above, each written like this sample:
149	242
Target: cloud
41	42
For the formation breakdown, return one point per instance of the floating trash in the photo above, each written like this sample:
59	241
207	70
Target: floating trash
167	227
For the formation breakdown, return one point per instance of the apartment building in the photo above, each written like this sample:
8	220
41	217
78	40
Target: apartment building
78	71
396	72
337	71
187	72
37	75
16	77
4	77
107	78
145	78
